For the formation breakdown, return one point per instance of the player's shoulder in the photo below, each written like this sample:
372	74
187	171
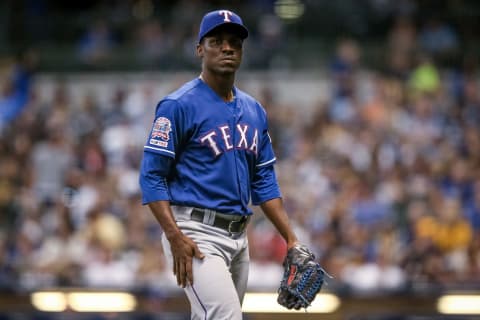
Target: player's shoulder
184	90
183	94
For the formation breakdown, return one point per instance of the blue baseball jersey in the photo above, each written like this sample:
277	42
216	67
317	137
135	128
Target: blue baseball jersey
219	154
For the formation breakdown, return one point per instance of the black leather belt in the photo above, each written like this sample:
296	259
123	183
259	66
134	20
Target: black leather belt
234	224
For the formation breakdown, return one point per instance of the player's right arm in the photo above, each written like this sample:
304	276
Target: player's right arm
157	164
182	247
153	173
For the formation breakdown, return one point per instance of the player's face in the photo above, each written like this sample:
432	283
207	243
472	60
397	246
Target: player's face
221	52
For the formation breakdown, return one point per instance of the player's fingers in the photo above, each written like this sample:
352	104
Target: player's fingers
189	270
197	253
177	273
175	266
181	274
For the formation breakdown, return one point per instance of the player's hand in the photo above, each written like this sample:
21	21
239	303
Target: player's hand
183	251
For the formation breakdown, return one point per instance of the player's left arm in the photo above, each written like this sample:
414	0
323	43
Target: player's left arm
265	189
275	211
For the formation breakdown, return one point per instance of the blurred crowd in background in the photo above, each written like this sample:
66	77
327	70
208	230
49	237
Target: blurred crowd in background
381	179
101	35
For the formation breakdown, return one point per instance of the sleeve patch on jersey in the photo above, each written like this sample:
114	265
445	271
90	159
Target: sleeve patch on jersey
159	143
161	129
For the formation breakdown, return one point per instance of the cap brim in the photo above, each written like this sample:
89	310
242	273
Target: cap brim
232	27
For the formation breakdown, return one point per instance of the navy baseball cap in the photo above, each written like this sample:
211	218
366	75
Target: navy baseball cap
218	18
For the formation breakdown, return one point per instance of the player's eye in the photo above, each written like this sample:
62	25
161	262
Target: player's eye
215	42
236	43
233	42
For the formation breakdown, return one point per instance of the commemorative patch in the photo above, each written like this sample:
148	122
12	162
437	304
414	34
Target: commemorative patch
158	143
161	129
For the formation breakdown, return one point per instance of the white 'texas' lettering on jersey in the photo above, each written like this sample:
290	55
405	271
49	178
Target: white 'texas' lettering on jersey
242	129
208	138
254	145
226	136
224	131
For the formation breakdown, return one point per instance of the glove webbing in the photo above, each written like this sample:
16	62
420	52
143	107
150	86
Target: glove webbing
315	287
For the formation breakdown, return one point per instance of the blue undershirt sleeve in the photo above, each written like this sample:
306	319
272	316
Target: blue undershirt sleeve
154	171
265	186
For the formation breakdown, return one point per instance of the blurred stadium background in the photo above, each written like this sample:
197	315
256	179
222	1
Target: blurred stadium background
374	109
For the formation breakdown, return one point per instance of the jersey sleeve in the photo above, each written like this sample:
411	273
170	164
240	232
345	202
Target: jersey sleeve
154	170
264	185
266	155
167	127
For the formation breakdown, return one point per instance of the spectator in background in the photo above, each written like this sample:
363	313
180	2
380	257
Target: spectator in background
113	112
439	39
474	259
446	228
87	119
10	178
343	70
472	207
402	44
51	160
55	257
96	44
451	234
15	90
424	77
457	181
455	233
153	44
107	265
345	63
366	210
470	99
381	274
271	41
7	272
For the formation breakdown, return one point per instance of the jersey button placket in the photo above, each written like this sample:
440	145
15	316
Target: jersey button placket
236	151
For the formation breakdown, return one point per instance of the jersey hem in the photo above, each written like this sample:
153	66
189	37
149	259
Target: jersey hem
259	202
266	163
159	150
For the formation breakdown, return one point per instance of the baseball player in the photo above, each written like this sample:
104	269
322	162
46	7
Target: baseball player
207	156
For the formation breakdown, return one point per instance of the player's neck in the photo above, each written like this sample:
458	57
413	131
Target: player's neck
223	86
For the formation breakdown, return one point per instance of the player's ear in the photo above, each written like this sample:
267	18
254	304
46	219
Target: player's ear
199	50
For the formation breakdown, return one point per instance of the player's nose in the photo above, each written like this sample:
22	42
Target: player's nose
227	46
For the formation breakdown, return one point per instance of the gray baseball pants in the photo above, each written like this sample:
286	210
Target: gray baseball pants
220	279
